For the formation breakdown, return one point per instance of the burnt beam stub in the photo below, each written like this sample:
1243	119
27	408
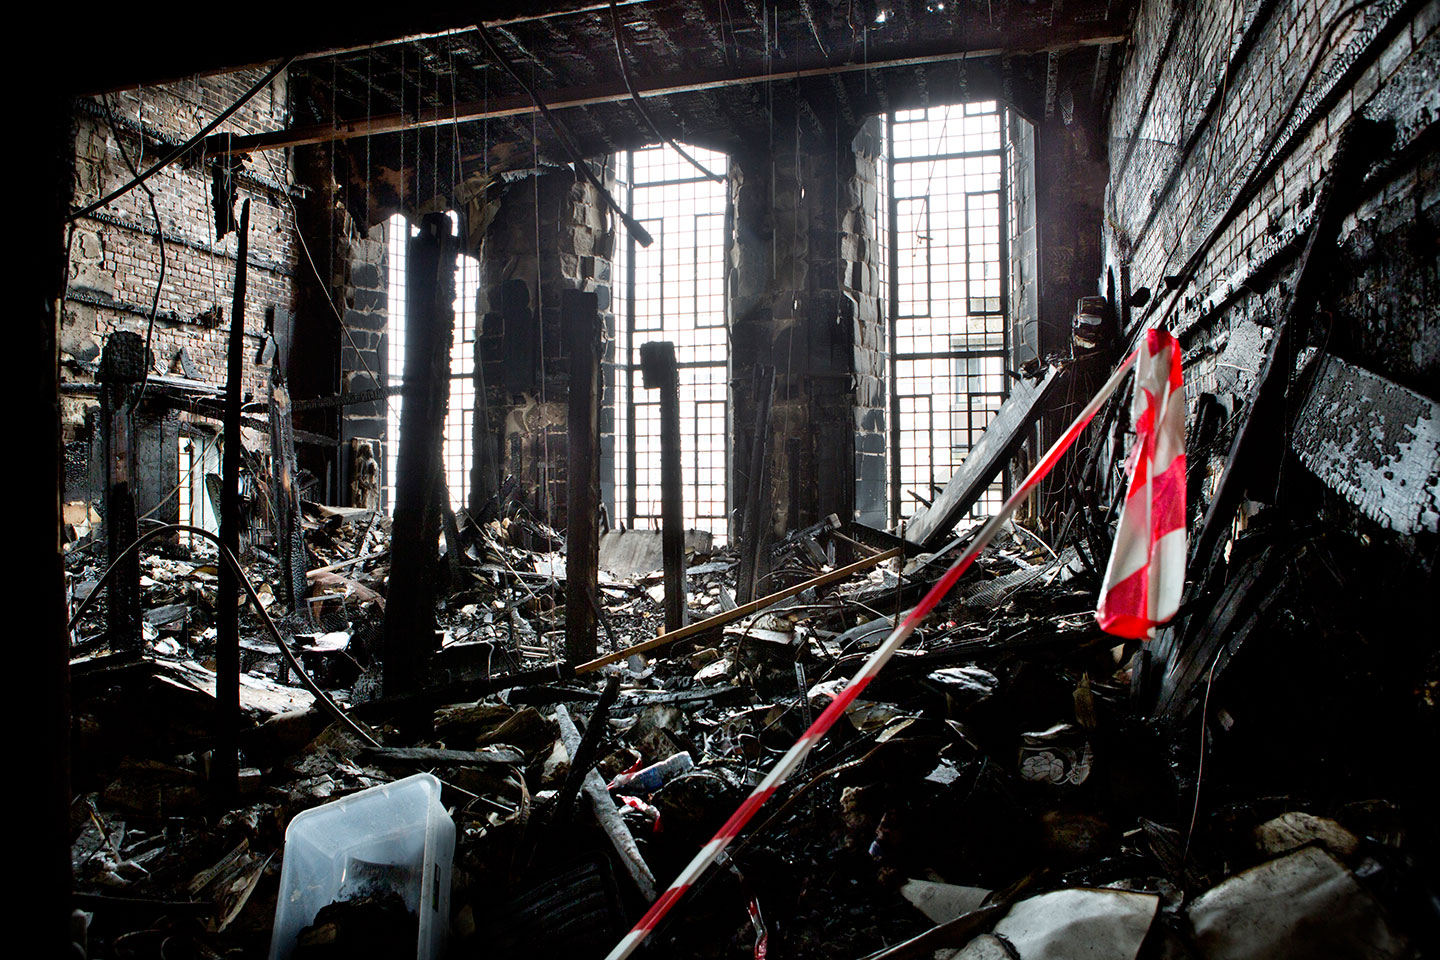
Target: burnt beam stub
123	363
658	370
581	322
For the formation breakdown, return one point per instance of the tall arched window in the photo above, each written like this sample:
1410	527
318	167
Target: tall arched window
944	208
673	290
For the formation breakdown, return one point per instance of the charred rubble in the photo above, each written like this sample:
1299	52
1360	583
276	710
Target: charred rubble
484	451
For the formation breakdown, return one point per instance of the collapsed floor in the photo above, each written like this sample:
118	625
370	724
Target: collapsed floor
999	761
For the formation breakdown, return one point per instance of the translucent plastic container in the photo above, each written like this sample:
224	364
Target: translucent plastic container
395	837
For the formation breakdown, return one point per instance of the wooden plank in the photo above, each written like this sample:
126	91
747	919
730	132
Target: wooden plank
930	526
744	610
1375	443
605	813
580	318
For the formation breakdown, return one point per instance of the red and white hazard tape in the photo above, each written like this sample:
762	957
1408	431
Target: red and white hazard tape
1146	572
861	680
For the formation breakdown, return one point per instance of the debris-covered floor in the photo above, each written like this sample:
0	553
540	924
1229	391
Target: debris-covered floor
993	794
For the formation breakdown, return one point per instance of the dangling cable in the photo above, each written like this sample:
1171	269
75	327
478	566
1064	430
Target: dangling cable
185	147
640	105
641	235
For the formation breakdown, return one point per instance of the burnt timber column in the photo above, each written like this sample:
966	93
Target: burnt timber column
657	366
410	608
1071	169
122	368
578	315
226	767
289	536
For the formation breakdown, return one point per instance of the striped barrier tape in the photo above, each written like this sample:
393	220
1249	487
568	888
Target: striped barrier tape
787	764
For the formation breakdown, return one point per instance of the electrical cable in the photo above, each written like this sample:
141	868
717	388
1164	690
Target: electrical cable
640	106
187	146
641	235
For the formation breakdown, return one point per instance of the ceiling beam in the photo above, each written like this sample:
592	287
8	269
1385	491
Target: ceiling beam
1047	40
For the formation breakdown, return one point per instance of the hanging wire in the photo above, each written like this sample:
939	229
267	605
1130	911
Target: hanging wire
185	147
640	106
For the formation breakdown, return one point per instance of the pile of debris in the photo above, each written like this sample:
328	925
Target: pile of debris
992	795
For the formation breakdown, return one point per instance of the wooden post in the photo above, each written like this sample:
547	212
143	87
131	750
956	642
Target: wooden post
751	535
289	535
225	767
659	370
450	526
122	368
485	442
415	533
579	317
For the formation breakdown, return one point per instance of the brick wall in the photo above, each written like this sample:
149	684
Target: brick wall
115	259
1212	169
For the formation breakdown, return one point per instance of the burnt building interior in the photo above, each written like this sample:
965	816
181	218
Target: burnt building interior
507	458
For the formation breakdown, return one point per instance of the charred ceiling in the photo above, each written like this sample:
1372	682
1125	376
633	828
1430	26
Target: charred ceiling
418	116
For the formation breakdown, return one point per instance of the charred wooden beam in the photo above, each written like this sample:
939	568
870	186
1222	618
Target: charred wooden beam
1373	441
987	44
122	368
580	318
659	371
1257	450
226	765
410	610
289	535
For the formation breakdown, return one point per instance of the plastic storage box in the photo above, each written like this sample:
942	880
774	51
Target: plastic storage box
394	837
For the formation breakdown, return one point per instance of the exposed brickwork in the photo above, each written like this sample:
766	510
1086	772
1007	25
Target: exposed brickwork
115	261
796	283
1199	102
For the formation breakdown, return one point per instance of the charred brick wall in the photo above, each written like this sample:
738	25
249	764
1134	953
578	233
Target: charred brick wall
550	233
1224	125
798	299
1227	125
115	261
115	253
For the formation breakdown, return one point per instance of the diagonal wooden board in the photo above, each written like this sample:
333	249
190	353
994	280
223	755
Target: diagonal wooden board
929	527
